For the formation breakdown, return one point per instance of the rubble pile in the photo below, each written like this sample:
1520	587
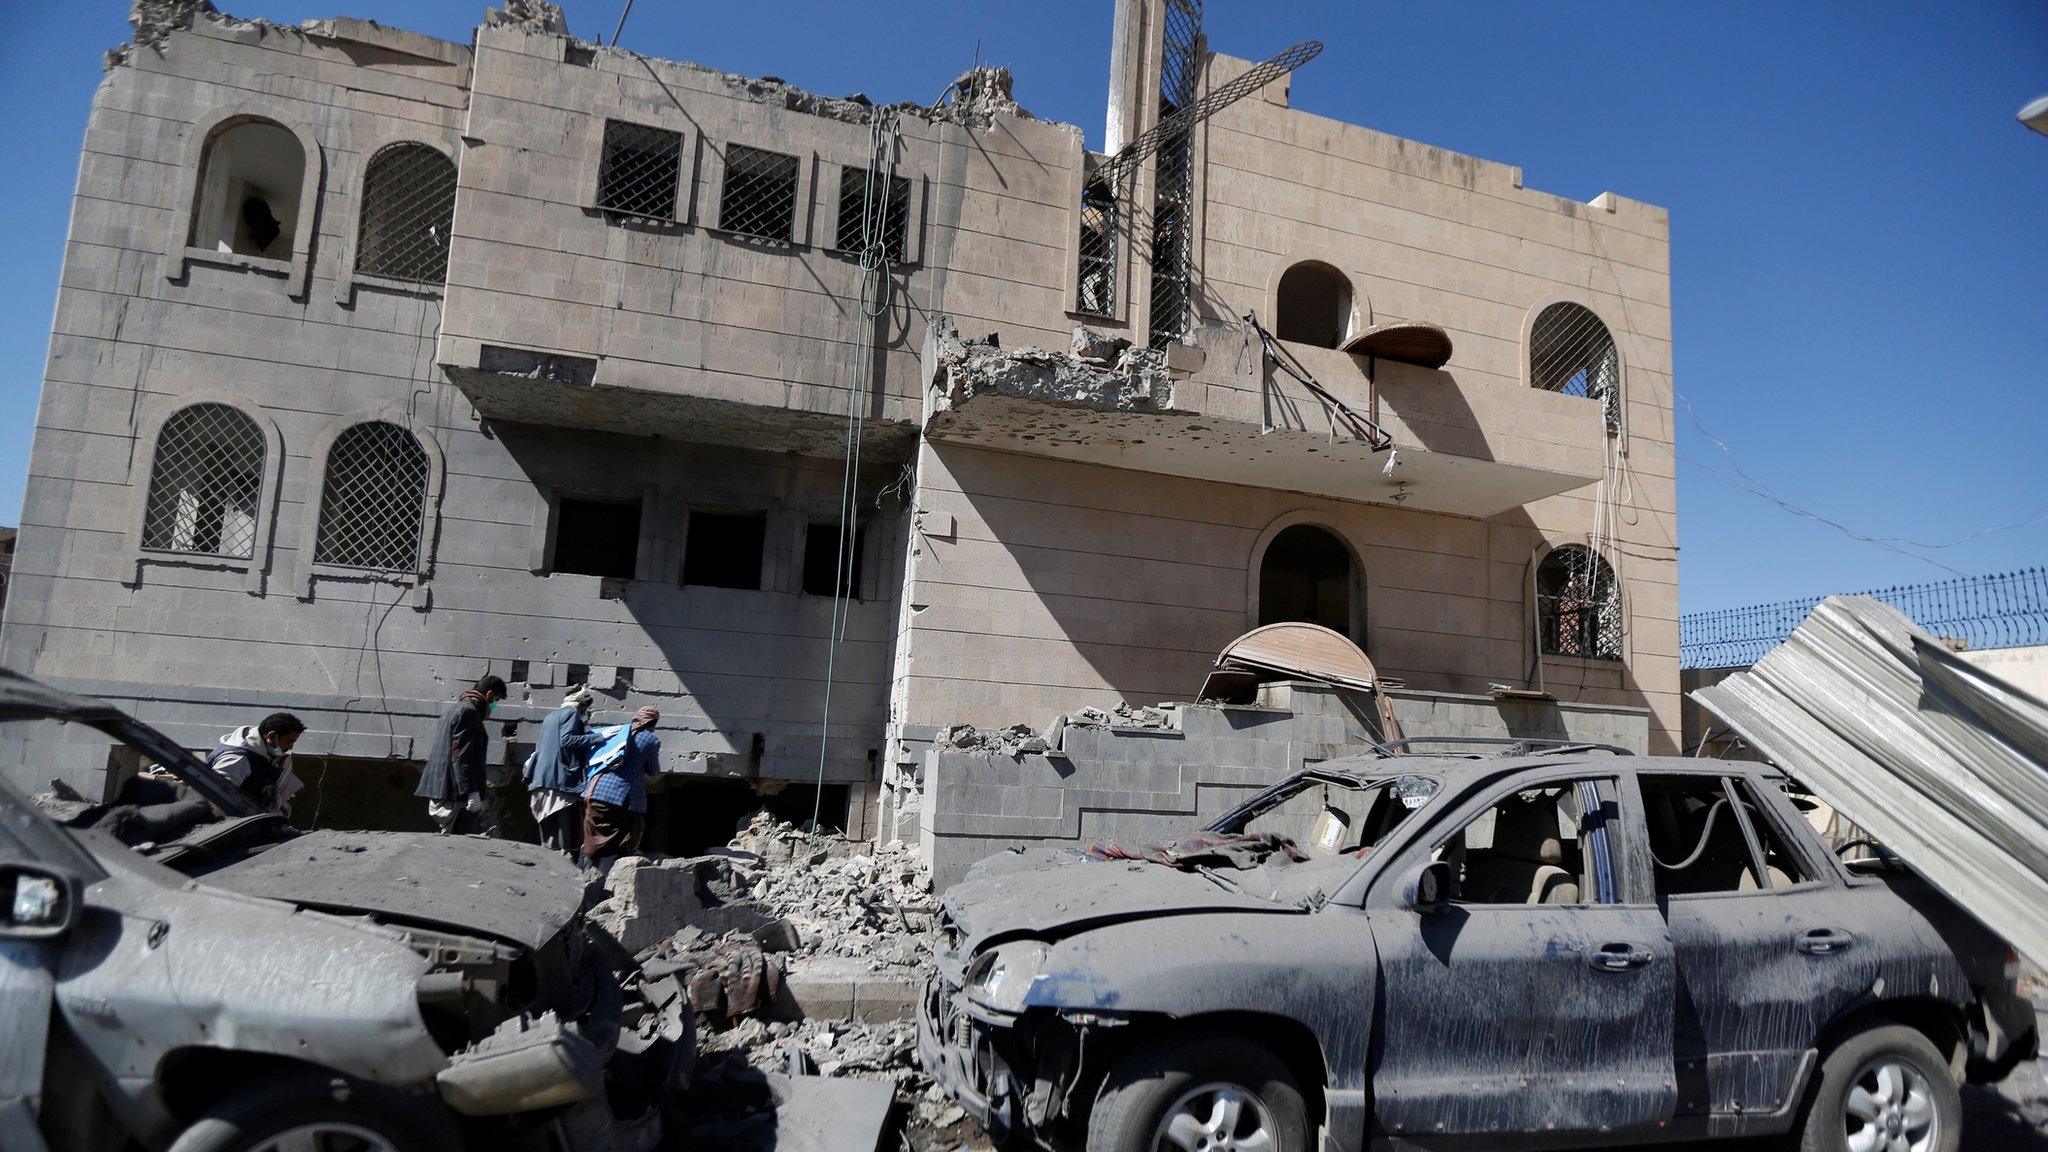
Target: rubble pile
1022	740
876	907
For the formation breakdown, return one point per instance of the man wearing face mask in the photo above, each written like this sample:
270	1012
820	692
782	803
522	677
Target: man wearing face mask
256	759
453	780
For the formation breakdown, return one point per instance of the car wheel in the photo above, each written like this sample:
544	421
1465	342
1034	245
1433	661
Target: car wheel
1202	1093
320	1113
1887	1089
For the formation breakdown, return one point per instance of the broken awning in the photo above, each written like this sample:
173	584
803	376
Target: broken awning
1943	762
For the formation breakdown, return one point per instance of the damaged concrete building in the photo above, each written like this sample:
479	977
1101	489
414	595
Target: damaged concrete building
381	362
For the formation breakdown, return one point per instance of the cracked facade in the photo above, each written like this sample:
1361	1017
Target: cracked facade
599	392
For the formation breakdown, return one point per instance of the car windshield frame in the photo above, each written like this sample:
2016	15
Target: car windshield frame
25	831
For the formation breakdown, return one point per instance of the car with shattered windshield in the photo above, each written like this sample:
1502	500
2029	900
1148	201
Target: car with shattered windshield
1522	948
233	984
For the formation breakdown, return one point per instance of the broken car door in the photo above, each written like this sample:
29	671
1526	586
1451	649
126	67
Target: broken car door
1537	998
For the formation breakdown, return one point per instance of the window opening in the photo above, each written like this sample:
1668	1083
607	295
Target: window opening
1173	177
1314	305
207	480
373	501
1578	605
853	184
1546	845
1095	292
1700	842
408	208
1337	817
759	196
723	549
641	171
597	537
821	560
1571	351
1306	574
250	180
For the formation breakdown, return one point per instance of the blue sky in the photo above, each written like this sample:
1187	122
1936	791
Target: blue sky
1859	225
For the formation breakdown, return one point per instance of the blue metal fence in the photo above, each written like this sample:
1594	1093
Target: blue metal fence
2003	610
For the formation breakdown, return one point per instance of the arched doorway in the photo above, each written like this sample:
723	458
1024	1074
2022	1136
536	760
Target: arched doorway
1307	574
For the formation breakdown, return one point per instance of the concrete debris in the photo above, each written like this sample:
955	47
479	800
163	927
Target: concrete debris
875	908
155	20
532	15
1016	740
648	899
979	96
1098	347
1122	716
884	1051
965	368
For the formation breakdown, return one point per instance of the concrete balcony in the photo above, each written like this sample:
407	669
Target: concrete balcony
1218	411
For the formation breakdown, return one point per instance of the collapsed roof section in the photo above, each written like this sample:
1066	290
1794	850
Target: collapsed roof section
1944	763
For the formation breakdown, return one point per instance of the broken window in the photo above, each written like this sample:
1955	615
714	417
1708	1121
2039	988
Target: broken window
1571	351
1314	305
1095	290
408	207
1706	833
1547	845
894	217
250	180
1333	816
373	500
1578	605
595	536
641	171
1307	575
207	480
723	549
821	560
759	195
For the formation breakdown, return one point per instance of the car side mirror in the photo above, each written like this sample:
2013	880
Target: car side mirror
1430	890
36	902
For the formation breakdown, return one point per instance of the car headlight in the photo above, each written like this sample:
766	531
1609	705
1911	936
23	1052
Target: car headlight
1000	977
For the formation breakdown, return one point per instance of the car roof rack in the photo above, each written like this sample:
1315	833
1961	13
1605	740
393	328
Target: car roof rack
1505	745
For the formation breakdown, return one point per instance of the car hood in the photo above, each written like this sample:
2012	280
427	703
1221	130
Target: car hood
1049	894
522	894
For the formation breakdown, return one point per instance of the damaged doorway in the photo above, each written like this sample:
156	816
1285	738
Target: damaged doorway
688	816
1308	574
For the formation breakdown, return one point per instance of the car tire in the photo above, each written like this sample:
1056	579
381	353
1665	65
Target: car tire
1891	1078
339	1113
1198	1084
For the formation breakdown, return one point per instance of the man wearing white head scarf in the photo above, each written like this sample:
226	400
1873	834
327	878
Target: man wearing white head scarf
554	773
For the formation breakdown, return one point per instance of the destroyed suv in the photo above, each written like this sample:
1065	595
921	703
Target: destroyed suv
1544	948
242	985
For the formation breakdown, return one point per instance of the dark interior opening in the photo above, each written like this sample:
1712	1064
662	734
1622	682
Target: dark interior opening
1306	575
821	560
1314	305
357	795
693	815
723	549
596	537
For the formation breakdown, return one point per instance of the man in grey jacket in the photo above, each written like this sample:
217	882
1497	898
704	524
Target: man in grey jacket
453	780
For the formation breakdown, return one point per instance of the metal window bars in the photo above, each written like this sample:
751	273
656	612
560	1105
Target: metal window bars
1571	351
1998	610
408	207
1096	273
373	501
1173	178
1578	605
895	214
641	172
759	193
206	483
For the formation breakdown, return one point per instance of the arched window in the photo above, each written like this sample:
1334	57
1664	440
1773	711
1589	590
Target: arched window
206	483
249	190
373	500
1571	351
1307	574
1314	305
408	206
1578	605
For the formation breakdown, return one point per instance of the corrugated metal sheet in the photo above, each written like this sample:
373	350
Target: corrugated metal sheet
1945	763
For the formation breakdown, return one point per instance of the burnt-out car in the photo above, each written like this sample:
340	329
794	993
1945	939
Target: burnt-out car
246	986
1557	948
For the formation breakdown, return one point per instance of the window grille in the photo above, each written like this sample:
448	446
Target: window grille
1578	605
206	483
1571	351
759	197
895	217
373	501
641	172
408	207
1096	291
1173	178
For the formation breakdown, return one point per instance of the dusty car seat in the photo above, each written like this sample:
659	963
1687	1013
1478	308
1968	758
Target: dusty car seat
1527	862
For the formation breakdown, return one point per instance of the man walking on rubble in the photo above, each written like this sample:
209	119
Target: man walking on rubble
554	773
256	760
615	797
453	780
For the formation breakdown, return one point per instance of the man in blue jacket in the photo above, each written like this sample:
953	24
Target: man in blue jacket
615	792
554	773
